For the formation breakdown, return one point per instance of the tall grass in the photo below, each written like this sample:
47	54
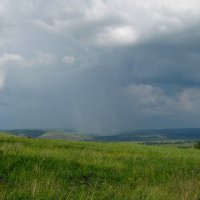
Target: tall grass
44	169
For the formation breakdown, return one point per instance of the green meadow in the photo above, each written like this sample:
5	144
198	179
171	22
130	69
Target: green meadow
55	169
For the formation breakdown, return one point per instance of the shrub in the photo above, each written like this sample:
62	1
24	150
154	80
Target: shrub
197	145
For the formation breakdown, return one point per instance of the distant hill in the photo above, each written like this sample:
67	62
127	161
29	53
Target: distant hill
154	135
63	134
34	133
147	135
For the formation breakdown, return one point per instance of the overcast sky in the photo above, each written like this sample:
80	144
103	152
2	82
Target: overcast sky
99	65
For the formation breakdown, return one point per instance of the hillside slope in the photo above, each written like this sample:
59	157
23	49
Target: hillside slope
35	169
62	135
147	135
58	134
154	135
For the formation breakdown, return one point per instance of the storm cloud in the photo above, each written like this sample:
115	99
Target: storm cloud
98	65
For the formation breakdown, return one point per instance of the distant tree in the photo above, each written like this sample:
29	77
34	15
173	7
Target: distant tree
197	145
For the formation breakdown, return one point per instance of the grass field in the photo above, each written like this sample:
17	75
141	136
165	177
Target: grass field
48	169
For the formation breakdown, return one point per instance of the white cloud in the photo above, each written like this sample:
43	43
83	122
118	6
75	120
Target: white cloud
118	22
69	60
9	58
100	22
6	60
41	59
190	100
2	79
152	100
146	94
13	61
116	36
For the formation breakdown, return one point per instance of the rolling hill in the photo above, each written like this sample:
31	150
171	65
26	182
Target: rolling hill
147	135
65	136
154	135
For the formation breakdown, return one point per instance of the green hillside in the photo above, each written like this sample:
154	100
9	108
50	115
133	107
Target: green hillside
154	135
59	134
47	169
147	136
62	135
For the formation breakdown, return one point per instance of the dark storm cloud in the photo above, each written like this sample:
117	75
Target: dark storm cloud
102	66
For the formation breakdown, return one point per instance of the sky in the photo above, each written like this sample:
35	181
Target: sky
99	65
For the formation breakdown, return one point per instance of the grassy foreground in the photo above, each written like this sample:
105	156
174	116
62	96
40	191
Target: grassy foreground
44	169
